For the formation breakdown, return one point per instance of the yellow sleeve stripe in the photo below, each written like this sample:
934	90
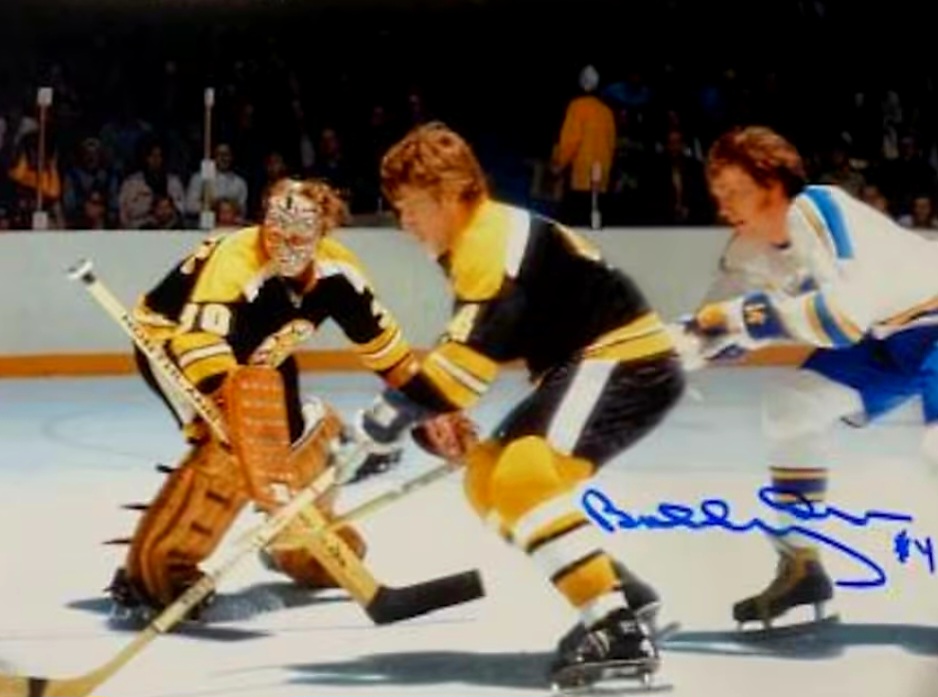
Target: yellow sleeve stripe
201	356
479	367
403	371
460	373
145	315
463	376
641	338
786	497
382	343
393	352
453	389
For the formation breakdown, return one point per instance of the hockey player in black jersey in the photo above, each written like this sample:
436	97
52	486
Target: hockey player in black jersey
605	373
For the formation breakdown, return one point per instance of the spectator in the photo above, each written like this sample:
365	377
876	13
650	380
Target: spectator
907	175
871	194
122	135
922	216
139	191
94	212
226	185
89	174
28	180
842	173
228	214
586	145
676	186
275	169
331	165
163	215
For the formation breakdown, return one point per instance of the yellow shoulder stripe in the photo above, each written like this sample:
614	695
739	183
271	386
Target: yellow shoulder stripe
233	269
478	256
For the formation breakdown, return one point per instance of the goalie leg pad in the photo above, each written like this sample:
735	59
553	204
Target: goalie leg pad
258	427
194	509
309	456
291	551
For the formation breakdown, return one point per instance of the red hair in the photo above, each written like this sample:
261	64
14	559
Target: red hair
763	154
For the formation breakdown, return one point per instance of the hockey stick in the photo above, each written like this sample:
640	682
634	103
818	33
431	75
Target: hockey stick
393	603
382	603
83	271
82	685
389	604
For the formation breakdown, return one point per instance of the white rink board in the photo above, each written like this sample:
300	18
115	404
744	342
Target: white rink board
45	313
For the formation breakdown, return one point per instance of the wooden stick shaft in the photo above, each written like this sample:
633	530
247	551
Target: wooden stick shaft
205	407
41	155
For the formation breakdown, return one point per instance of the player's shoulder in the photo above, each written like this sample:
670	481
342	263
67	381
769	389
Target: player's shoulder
233	266
831	210
818	211
243	241
491	247
335	260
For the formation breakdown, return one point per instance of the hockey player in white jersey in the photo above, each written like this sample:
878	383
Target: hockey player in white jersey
813	265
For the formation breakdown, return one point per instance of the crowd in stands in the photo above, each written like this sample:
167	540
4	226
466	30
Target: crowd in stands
125	138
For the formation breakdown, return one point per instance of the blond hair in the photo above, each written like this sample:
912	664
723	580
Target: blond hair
435	158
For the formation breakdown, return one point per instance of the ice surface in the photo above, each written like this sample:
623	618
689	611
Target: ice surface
73	450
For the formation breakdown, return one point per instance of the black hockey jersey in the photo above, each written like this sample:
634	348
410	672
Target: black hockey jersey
223	306
527	288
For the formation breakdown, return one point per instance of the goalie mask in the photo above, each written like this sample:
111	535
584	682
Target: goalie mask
293	226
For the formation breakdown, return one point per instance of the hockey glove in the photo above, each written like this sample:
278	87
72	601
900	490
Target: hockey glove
377	436
449	436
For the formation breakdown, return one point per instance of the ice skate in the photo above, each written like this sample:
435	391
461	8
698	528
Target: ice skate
618	647
800	581
641	598
131	608
644	602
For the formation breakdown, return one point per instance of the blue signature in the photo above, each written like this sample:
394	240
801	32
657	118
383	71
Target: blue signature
716	513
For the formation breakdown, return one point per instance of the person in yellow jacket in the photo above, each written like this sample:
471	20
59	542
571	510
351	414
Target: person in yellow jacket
586	146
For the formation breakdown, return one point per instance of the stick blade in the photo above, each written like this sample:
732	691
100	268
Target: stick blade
395	604
31	686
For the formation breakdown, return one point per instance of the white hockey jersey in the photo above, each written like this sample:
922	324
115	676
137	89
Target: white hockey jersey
849	271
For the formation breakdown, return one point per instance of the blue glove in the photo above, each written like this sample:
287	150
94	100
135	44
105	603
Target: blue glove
390	415
375	443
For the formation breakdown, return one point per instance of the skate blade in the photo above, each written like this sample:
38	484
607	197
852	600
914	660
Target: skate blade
615	678
663	633
794	629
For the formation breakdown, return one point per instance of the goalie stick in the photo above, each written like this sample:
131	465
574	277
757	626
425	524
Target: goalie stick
382	603
397	602
388	604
